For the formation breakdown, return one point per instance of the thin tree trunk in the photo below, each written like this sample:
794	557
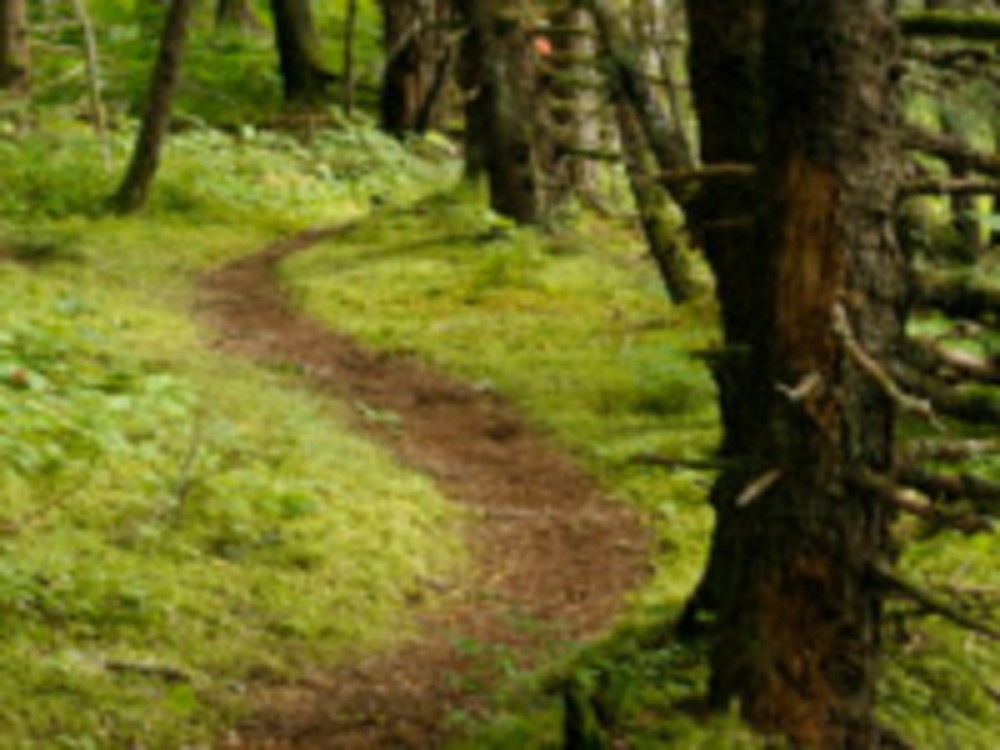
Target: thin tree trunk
166	75
797	635
97	112
663	235
350	29
14	50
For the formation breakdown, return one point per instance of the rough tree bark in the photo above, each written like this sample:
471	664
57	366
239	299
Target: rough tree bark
573	106
166	75
14	51
798	613
499	76
304	77
416	43
725	61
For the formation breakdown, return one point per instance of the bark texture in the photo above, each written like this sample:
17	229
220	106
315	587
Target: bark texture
417	54
14	51
798	614
499	74
725	62
166	75
304	77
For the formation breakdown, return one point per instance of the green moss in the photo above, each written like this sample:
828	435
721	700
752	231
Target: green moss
174	523
576	330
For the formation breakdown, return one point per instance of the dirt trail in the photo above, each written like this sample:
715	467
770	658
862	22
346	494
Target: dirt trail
553	556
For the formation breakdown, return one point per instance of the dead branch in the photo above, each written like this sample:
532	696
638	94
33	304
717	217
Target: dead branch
983	494
958	294
950	24
919	407
947	450
950	364
970	403
956	187
930	602
913	502
708	172
951	149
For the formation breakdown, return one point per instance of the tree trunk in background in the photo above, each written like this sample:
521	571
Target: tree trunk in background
14	53
303	74
574	108
417	54
499	75
661	230
350	33
166	74
236	14
796	639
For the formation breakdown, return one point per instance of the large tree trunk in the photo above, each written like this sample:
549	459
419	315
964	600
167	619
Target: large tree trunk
166	75
303	74
797	634
499	75
725	62
14	56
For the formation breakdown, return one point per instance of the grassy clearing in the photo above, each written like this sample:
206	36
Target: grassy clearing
173	523
574	328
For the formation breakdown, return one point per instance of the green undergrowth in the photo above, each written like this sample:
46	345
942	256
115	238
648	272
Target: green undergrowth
572	326
263	179
175	524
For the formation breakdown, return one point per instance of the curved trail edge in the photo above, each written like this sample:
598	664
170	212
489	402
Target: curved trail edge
552	555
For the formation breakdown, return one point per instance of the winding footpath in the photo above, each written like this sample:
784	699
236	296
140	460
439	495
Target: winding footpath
553	556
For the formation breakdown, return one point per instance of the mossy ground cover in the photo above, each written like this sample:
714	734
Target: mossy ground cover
174	523
573	327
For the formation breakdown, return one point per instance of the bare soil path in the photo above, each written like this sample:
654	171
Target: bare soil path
553	556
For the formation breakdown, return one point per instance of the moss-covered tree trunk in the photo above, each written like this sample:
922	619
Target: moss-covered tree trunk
304	77
574	104
14	50
166	75
656	214
798	613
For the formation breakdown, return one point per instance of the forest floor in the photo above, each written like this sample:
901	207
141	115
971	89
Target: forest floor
553	556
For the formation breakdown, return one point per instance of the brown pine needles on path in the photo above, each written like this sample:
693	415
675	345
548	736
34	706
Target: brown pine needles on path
553	556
